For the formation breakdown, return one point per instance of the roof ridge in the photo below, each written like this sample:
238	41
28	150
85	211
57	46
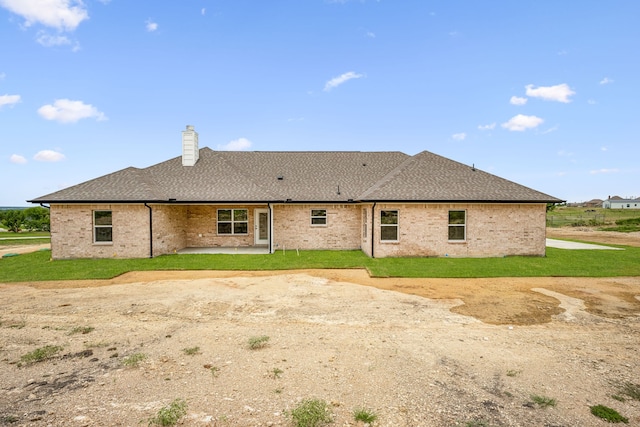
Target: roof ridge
242	172
388	177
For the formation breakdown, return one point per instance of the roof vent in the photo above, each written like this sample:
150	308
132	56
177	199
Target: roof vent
280	177
190	152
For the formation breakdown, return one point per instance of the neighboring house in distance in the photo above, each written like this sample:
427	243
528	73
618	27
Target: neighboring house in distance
593	203
387	204
617	202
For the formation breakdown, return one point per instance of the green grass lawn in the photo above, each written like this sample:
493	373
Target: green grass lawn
27	238
564	215
37	266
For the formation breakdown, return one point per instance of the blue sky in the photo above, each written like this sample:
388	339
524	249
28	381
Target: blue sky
542	92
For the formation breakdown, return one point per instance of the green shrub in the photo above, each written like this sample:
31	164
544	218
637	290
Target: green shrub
311	413
364	415
258	342
134	360
170	414
608	414
41	354
543	401
191	351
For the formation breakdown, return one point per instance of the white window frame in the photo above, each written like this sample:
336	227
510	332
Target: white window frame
97	226
232	222
318	217
396	225
456	225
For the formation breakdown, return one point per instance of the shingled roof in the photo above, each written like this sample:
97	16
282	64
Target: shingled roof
260	177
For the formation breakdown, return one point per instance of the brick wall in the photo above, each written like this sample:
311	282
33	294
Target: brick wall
202	231
293	229
492	230
72	232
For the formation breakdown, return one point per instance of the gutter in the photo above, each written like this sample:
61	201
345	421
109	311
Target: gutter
150	230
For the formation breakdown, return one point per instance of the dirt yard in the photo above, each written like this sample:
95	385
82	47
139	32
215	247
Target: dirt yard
416	352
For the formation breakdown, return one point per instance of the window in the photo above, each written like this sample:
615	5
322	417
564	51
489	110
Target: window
457	225
364	223
233	221
389	225
102	227
318	217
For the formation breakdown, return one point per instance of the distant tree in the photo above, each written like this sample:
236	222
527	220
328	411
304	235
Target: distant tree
36	219
12	219
550	207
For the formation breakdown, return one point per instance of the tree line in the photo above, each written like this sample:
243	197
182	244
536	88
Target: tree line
29	219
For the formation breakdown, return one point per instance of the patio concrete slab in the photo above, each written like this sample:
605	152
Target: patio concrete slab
564	244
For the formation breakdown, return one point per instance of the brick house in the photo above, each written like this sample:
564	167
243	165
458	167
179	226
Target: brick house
387	204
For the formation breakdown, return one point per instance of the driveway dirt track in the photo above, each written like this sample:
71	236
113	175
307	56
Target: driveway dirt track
417	352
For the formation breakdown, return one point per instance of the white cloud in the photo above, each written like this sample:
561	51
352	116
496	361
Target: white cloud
370	34
203	11
599	171
552	129
560	93
64	15
606	81
516	100
2	76
604	148
240	144
459	136
49	156
9	100
150	25
337	81
592	102
521	123
68	111
17	159
487	127
47	40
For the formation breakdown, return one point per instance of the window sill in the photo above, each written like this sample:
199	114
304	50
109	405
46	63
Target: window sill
103	243
456	242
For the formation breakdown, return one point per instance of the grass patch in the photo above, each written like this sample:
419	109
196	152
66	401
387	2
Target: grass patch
365	415
41	354
133	360
608	414
275	373
258	342
191	351
170	414
543	401
311	413
81	330
557	262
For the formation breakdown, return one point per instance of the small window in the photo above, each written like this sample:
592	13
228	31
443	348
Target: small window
318	217
364	223
389	226
457	225
102	227
233	221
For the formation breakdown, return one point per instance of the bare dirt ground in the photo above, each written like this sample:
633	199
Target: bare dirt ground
416	352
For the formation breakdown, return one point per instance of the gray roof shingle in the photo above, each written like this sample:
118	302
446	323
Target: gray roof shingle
241	176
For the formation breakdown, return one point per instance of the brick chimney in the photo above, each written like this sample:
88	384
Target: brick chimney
190	152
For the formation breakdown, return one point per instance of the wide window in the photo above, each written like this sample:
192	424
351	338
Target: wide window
457	225
318	217
389	225
233	221
102	227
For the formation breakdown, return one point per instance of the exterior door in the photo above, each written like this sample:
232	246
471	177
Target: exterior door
261	229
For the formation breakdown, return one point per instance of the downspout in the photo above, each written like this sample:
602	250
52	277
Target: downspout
373	227
150	230
270	227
